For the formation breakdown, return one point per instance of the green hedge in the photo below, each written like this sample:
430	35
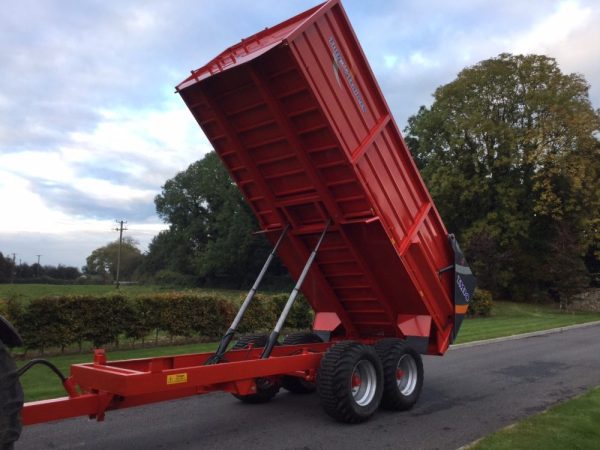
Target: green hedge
60	322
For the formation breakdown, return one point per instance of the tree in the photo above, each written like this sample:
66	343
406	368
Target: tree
211	228
509	151
36	273
25	271
60	272
7	268
169	250
103	260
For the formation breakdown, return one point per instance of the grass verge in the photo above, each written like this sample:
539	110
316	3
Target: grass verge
573	424
510	318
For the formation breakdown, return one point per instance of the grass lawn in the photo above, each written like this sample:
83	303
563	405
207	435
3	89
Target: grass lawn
574	424
27	292
510	318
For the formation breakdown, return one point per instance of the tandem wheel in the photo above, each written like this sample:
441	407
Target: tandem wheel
350	382
402	374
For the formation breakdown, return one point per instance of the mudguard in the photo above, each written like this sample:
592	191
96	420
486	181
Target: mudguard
9	335
464	285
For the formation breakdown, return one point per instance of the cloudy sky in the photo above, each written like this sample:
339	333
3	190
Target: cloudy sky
91	129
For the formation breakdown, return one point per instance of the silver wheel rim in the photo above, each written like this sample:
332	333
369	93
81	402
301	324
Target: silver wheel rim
406	375
364	382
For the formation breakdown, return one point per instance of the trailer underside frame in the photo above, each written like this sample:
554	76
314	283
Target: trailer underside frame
101	386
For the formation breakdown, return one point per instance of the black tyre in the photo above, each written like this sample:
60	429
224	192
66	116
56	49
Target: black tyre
11	400
402	374
294	384
350	382
266	388
256	340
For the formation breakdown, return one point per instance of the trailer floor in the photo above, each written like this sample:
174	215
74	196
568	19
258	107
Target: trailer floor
468	393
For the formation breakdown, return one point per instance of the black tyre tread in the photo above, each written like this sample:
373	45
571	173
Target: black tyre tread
256	339
333	381
269	390
302	337
297	385
389	351
11	400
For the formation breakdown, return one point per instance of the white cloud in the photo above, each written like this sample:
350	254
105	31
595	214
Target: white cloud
28	226
27	212
145	147
120	164
127	139
552	29
36	164
110	192
421	60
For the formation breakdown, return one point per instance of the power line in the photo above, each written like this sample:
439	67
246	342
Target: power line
120	229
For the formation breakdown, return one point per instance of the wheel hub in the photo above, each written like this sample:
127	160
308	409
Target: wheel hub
363	382
356	381
406	375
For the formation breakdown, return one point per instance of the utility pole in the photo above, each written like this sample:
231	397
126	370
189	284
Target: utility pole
37	269
120	229
14	271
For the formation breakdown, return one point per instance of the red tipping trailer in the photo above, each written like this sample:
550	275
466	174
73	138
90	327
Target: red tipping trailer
296	116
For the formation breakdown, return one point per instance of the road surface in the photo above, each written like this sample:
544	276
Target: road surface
469	393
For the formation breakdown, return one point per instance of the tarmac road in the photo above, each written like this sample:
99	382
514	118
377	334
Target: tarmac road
468	394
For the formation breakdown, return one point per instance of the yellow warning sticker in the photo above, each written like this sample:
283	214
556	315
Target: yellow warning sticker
177	378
